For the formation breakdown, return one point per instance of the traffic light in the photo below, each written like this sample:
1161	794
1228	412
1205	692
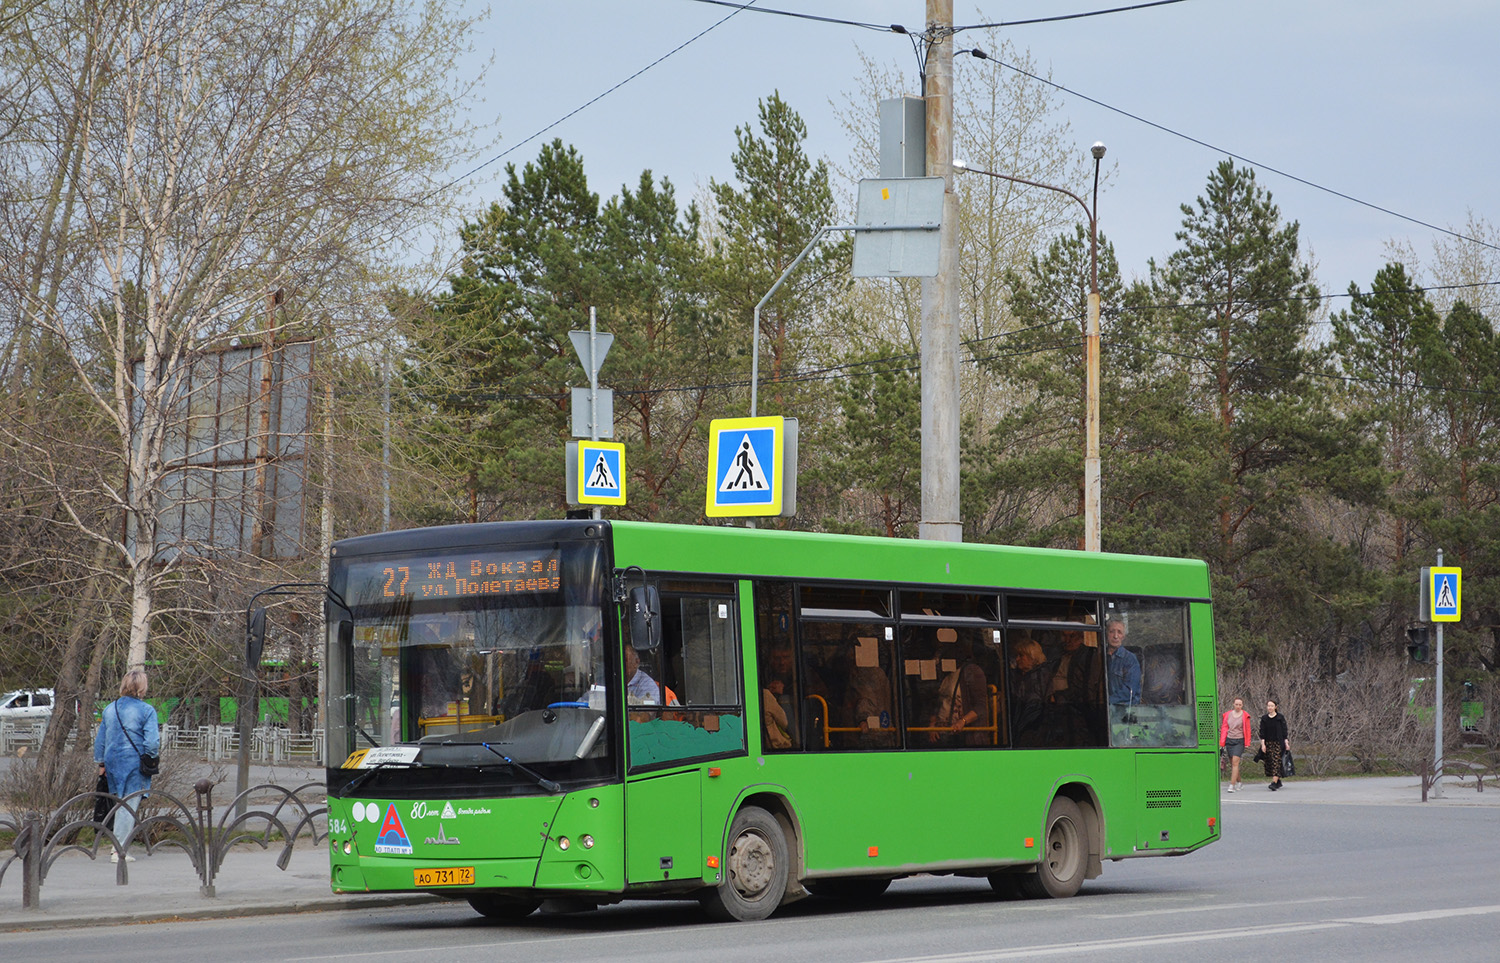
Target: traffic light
1416	642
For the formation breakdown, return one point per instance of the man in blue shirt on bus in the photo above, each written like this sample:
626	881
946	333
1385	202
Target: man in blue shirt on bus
1122	667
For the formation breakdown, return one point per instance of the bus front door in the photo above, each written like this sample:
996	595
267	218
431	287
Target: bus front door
664	827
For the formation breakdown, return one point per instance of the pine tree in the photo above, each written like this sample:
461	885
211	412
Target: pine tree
1247	432
1024	482
761	224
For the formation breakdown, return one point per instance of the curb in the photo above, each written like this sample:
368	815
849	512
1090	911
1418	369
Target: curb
325	904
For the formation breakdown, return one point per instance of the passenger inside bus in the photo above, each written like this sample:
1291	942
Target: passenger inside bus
778	706
1075	704
1030	678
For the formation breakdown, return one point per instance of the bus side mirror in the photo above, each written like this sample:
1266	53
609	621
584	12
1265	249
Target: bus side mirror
645	618
346	633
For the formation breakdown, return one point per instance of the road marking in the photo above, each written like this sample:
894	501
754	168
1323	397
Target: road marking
1198	936
1215	907
1014	953
1440	914
1093	946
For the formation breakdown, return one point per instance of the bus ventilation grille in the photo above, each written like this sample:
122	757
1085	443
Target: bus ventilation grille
1208	729
1163	798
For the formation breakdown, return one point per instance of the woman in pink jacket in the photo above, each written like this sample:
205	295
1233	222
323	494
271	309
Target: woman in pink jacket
1234	738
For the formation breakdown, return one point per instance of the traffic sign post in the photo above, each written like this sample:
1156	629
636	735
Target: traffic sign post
1442	586
595	470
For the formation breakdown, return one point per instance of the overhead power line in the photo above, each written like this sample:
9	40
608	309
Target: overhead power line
981	55
1067	16
882	27
598	97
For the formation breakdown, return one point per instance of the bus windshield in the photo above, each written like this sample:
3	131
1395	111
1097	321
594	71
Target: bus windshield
475	660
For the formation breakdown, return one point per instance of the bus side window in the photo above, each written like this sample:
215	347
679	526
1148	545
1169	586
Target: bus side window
849	683
1157	636
950	678
698	666
776	667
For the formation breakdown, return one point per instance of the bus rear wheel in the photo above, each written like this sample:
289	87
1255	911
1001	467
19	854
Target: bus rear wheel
509	908
755	868
1065	858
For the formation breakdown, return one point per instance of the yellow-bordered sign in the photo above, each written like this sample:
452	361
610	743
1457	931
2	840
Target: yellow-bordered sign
1444	593
601	473
745	466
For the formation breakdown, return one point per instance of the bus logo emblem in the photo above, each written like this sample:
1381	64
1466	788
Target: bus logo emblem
393	838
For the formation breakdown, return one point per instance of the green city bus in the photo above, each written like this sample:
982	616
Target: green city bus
589	711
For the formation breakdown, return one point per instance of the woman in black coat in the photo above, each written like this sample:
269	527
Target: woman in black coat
1273	741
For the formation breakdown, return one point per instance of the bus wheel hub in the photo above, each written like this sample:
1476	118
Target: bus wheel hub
751	864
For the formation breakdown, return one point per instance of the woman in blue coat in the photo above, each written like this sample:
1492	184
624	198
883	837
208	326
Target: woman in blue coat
128	729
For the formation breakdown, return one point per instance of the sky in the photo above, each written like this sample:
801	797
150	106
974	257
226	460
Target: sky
1387	101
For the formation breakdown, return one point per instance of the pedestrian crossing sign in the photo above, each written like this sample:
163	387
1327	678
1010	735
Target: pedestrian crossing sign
1443	593
748	467
601	473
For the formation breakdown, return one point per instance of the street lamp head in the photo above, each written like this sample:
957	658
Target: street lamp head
960	165
1097	150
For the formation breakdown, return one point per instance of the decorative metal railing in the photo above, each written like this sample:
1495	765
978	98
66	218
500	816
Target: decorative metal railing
206	833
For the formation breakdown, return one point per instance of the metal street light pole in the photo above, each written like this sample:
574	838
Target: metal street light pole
1091	484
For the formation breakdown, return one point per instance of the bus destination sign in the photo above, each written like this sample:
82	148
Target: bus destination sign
454	575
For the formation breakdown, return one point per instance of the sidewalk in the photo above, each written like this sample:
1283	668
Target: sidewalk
82	892
1363	791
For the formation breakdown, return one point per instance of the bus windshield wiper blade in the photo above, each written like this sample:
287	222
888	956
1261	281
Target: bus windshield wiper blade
359	780
540	779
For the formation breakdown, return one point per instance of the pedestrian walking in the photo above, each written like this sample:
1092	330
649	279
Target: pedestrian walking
1274	741
128	731
1234	739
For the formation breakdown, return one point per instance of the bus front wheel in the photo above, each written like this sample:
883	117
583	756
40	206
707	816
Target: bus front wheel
755	868
1065	860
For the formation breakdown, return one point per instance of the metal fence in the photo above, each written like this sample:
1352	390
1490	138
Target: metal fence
268	744
205	832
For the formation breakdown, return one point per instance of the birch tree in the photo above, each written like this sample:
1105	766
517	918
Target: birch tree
172	169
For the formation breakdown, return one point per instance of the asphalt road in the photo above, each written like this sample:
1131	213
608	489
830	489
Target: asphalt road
1289	881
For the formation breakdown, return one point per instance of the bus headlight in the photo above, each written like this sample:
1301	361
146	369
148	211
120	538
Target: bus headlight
588	842
562	843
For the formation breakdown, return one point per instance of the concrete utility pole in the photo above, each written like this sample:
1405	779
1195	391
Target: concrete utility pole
940	518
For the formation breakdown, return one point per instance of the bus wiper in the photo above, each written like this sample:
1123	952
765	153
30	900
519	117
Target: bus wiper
540	779
360	779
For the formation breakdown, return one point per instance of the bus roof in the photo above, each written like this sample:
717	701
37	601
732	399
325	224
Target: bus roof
765	552
736	551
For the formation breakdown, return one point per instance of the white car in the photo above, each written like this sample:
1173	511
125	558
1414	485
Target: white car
26	705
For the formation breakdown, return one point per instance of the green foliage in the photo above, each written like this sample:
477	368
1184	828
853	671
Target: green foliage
762	223
871	474
1245	431
1026	471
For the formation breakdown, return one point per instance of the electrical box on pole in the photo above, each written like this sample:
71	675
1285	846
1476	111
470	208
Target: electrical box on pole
903	137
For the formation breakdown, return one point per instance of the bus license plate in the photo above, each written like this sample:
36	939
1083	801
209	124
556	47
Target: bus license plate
446	876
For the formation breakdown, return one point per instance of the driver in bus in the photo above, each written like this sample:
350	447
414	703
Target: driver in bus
640	688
